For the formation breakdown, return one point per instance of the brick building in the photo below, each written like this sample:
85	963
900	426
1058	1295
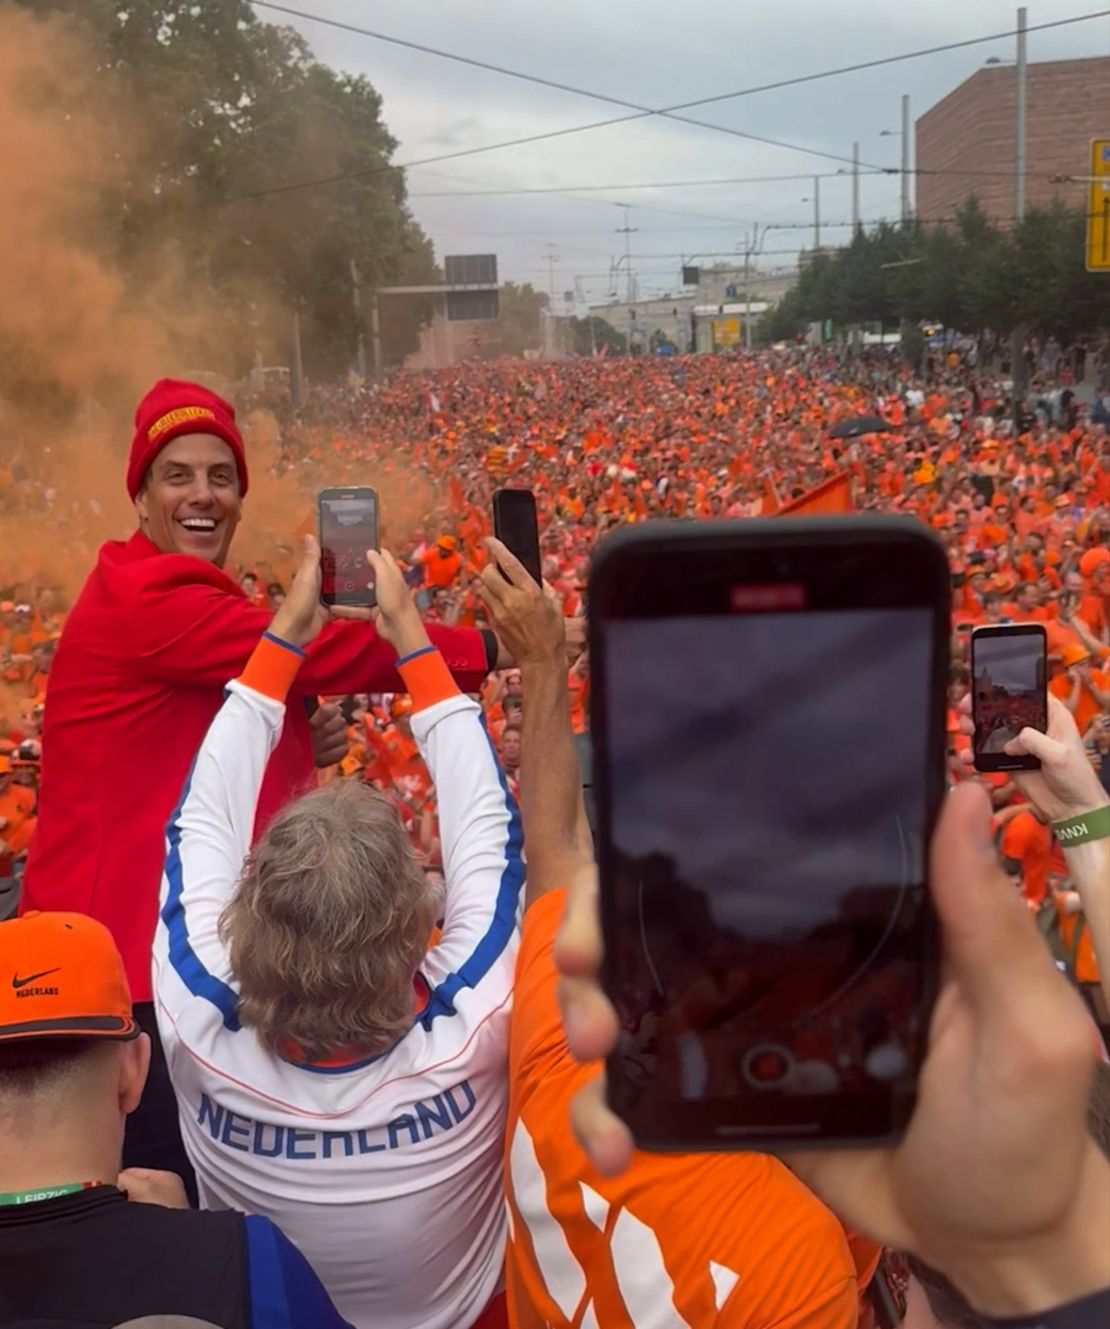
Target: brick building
971	131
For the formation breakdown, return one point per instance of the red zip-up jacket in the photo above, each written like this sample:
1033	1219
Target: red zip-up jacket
137	679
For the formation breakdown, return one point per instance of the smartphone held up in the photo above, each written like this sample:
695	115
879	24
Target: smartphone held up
767	717
1009	693
348	527
517	527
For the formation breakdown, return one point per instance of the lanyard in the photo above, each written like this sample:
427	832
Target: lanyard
46	1193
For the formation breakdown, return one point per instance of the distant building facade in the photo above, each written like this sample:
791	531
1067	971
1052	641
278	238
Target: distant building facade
968	137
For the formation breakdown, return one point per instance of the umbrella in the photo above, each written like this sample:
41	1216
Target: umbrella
861	424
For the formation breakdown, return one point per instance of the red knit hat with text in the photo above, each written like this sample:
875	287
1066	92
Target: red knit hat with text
174	407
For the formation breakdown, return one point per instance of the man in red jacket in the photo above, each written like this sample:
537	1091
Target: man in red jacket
138	676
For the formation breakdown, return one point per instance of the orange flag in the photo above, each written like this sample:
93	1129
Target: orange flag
771	499
831	496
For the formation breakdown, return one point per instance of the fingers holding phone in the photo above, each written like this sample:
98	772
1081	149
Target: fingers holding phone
302	615
396	616
525	615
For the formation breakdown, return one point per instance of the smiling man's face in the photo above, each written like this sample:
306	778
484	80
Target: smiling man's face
190	502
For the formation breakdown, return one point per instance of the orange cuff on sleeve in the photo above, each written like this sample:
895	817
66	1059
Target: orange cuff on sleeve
428	679
272	669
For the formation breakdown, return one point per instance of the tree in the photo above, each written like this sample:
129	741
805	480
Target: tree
971	275
604	335
255	172
518	327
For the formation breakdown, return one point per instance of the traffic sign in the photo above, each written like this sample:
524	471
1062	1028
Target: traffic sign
1098	207
726	331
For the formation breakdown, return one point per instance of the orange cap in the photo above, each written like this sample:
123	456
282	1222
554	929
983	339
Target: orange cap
61	976
1073	654
447	542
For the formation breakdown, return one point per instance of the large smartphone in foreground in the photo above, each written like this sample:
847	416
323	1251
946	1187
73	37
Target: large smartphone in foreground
348	525
1009	691
515	524
768	723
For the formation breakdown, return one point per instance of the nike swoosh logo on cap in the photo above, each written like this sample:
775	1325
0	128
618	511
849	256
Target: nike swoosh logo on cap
22	982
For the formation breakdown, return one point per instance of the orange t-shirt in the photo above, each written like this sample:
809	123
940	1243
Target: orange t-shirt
1029	842
439	573
1087	707
1086	966
721	1241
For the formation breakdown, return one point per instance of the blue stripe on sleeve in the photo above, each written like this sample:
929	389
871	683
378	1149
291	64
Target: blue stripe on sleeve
285	645
503	924
181	954
285	1292
415	655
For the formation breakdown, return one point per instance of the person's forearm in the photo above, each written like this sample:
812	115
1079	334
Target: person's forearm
1089	870
1070	1262
550	780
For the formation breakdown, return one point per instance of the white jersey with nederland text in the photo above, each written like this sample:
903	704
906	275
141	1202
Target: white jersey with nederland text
386	1174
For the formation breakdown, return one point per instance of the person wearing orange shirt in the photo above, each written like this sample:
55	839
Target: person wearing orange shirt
442	564
17	825
1085	691
1026	850
719	1240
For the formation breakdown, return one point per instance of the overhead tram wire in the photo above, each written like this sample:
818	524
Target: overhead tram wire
669	112
638	111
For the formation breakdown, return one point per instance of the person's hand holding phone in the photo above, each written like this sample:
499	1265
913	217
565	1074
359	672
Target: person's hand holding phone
302	615
1065	786
996	1182
525	615
396	616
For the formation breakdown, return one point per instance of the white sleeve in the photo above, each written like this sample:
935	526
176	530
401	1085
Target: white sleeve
482	840
207	839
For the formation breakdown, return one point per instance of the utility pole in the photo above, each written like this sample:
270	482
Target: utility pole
297	376
1019	119
906	157
356	296
376	336
549	319
855	188
1018	366
628	231
816	213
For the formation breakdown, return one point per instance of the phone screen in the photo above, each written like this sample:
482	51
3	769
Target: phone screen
1008	667
516	526
768	782
348	528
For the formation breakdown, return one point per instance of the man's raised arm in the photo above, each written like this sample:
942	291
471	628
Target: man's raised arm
529	622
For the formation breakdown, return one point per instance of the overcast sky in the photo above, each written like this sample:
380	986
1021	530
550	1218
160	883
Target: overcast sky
658	53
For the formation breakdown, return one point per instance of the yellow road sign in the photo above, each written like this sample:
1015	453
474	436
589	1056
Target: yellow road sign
726	332
1098	207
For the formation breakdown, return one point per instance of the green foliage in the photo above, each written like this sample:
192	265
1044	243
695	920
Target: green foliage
604	334
971	275
229	110
518	328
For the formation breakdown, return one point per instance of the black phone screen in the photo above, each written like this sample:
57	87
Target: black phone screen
516	526
348	528
769	788
1009	692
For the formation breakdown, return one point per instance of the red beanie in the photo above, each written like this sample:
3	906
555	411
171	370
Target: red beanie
174	407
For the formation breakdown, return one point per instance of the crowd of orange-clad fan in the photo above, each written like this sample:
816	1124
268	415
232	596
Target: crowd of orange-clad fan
1024	513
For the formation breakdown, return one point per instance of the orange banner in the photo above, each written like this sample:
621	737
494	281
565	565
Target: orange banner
829	497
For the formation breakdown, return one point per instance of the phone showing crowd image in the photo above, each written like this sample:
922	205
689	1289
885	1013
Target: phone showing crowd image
517	527
1009	692
768	722
348	525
